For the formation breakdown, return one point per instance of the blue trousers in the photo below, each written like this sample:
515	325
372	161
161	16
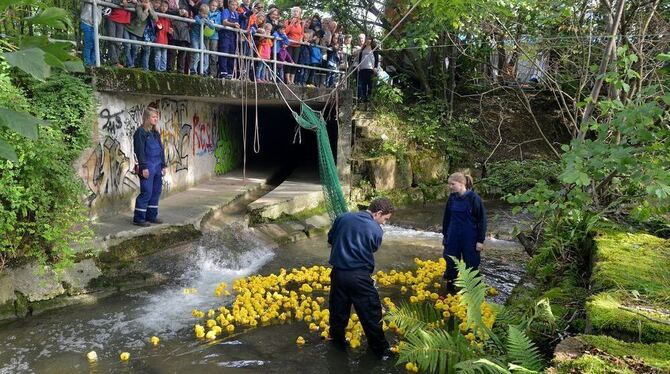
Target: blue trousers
160	60
88	54
132	52
195	57
227	45
466	251
146	204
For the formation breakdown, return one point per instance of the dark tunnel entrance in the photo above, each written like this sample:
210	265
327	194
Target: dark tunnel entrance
280	149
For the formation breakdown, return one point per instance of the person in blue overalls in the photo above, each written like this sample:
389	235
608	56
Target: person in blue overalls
463	226
151	161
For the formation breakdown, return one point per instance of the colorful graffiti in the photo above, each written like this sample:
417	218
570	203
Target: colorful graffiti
188	131
205	136
106	171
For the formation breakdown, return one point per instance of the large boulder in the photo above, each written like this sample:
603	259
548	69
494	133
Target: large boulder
37	283
429	166
381	172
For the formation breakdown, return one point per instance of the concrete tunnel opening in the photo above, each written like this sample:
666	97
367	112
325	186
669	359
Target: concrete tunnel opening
280	150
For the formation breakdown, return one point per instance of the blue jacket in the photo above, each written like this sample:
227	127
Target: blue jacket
139	140
477	212
215	18
279	42
315	54
354	238
304	55
195	28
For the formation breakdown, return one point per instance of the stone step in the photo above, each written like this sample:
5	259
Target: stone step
291	197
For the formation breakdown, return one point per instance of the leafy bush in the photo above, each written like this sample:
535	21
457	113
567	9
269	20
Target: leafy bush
41	214
511	177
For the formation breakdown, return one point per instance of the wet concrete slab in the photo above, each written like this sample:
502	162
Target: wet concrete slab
186	208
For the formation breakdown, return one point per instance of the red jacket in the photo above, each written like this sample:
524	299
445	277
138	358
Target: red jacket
121	16
162	34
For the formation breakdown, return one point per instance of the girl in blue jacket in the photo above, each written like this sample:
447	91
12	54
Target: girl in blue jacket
463	226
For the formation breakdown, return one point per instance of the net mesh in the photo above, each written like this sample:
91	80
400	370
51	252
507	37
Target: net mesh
332	190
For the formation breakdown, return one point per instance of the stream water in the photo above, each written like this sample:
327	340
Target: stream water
57	341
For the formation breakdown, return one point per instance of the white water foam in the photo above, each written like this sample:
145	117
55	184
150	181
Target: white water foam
169	310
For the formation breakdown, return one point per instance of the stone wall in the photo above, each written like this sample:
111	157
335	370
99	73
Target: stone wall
189	130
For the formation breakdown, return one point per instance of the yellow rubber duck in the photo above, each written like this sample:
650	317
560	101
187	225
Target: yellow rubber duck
124	356
92	356
154	340
300	340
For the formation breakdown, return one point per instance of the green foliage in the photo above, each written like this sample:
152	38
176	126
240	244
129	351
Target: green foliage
227	150
522	351
435	347
473	292
35	55
513	177
41	215
414	316
387	96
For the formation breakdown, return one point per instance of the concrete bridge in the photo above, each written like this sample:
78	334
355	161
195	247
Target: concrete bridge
201	124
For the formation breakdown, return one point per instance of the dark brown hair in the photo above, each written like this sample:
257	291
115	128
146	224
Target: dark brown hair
381	204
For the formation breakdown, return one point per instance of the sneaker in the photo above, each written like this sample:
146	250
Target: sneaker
141	223
157	221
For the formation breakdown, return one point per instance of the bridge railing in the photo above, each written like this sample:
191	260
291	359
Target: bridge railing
243	33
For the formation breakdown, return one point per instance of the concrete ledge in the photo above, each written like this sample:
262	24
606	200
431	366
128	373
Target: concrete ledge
139	82
291	197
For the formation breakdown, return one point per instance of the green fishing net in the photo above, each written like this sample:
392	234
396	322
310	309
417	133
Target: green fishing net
312	120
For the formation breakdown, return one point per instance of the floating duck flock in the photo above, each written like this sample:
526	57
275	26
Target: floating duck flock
300	295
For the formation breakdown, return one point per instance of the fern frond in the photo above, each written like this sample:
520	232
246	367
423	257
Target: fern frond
435	351
516	369
473	292
480	366
522	351
413	316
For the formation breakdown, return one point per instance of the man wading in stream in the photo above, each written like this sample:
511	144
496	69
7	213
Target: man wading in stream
354	238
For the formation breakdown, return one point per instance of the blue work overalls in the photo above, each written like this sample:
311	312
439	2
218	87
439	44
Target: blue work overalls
228	43
146	204
461	236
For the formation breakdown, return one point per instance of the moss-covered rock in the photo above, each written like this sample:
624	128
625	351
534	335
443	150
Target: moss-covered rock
631	279
630	261
656	355
121	254
616	314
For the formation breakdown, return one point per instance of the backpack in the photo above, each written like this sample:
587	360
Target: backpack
150	31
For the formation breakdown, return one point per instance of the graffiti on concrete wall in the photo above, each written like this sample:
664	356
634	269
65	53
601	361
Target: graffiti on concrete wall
188	131
175	132
205	135
106	171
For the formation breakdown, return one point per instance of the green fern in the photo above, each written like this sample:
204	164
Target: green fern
473	292
435	351
480	366
522	351
414	316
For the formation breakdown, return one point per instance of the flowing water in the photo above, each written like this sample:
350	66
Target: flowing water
57	341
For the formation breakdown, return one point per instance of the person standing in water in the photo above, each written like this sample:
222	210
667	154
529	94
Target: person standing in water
354	237
463	226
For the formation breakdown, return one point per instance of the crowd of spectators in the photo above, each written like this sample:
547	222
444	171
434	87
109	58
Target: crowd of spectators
252	30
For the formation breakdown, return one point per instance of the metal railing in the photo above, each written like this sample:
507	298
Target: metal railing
242	33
